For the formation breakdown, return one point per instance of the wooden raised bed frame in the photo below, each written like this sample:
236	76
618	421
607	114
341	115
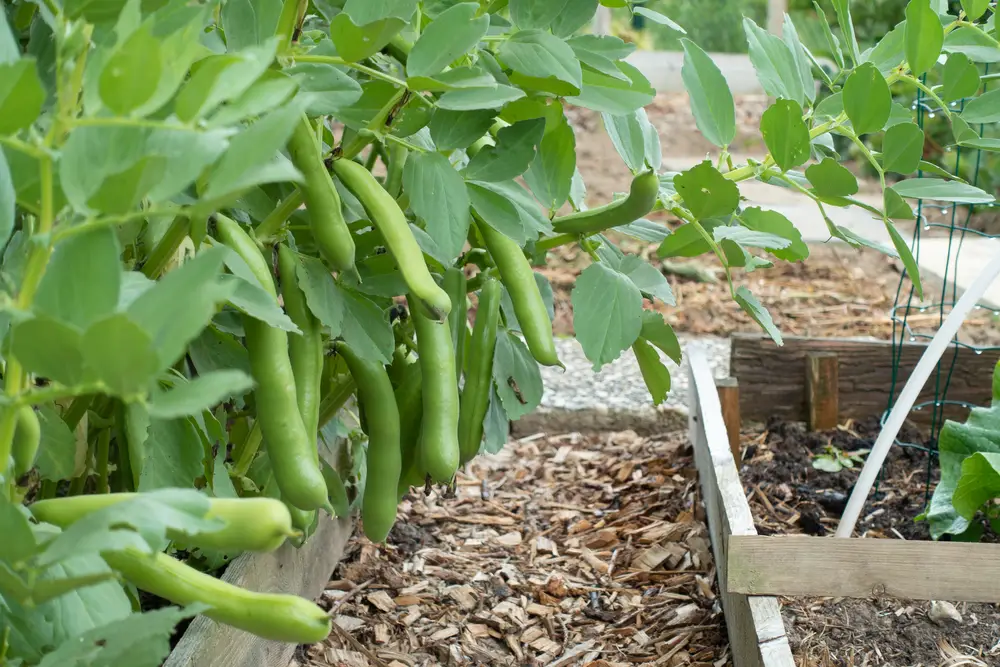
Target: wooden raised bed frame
753	569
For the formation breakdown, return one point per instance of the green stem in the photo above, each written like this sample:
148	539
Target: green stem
22	147
288	21
394	177
688	217
103	451
271	226
374	127
166	247
554	242
930	93
82	395
867	153
114	220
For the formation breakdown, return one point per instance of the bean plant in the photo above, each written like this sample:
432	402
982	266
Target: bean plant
227	223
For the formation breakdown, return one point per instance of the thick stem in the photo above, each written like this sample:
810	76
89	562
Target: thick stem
245	454
166	247
103	451
271	226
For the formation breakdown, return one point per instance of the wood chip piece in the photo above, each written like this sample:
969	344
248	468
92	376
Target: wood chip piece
381	601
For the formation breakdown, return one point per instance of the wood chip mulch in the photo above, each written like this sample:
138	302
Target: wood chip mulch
560	550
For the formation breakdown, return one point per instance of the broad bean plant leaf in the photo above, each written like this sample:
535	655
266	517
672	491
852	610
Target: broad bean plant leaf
711	100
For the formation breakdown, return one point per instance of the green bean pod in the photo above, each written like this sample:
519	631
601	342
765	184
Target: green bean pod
455	285
305	351
439	425
252	524
282	618
27	436
389	219
479	376
326	219
524	293
290	448
378	507
640	201
409	401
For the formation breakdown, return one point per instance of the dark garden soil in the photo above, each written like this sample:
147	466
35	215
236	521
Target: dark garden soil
788	495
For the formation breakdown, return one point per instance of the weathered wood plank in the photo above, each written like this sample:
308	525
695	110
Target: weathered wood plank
822	390
756	631
797	565
304	572
729	398
769	389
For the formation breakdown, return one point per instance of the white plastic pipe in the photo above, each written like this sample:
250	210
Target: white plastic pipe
908	396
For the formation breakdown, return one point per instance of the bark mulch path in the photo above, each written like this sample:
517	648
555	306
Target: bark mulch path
561	550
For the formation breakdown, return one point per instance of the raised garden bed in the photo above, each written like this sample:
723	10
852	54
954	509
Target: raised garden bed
843	601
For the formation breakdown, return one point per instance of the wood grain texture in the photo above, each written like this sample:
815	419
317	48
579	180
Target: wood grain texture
729	398
822	390
770	389
756	631
796	565
304	572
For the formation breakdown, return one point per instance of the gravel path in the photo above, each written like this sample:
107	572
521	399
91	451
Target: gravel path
616	397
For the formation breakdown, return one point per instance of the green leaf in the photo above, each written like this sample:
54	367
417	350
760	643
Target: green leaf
829	178
785	134
138	640
10	50
112	169
202	393
547	62
324	89
654	373
975	8
974	43
745	237
685	241
174	455
253	156
601	53
774	223
635	139
551	173
942	190
749	303
517	378
363	12
650	281
473	99
980	434
249	23
121	354
49	349
8	200
318	285
890	51
577	14
644	230
458	129
608	94
439	198
846	23
777	68
706	192
175	311
21	94
496	426
19	541
64	296
214	350
507	208
801	58
218	79
983	109
453	33
607	313
512	155
536	14
896	207
57	451
356	43
657	17
979	483
365	326
132	73
903	248
867	99
960	78
924	36
453	79
711	100
253	300
903	148
660	334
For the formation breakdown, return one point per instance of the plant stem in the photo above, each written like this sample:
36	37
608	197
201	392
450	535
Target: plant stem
245	454
103	450
394	176
166	247
271	225
930	93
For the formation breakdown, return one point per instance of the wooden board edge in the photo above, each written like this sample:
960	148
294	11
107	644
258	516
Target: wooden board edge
718	467
303	572
863	568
